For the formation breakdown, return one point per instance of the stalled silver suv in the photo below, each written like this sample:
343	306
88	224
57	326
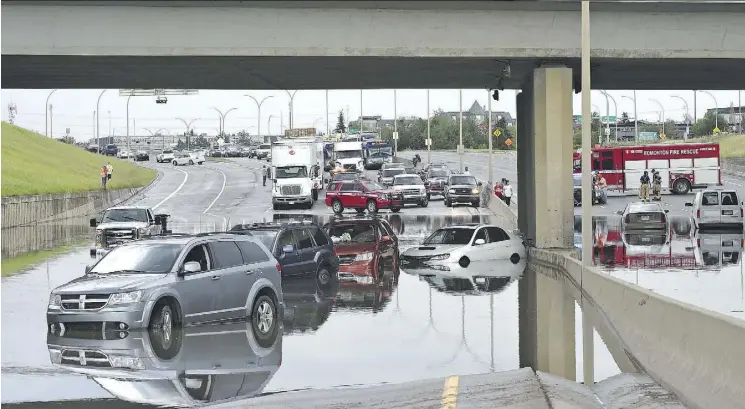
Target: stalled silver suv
169	281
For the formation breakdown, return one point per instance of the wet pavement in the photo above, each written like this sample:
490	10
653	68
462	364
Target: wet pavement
701	268
422	327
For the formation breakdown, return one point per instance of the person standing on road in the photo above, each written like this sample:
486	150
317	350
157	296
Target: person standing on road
656	185
507	192
466	172
109	170
644	188
263	174
104	175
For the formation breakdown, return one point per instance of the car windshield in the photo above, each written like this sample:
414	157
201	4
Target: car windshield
645	208
389	173
452	235
463	180
439	173
345	176
408	180
352	233
139	259
289	172
349	154
125	215
384	151
373	186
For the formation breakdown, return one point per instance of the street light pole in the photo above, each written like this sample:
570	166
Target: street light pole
460	132
327	113
128	98
269	124
258	106
716	105
188	126
395	124
489	135
662	109
51	122
615	108
429	136
46	107
607	116
636	123
292	107
687	120
98	121
360	111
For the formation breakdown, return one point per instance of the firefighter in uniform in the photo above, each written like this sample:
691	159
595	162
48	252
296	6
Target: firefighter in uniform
644	188
656	185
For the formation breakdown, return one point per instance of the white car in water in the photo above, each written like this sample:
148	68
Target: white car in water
459	246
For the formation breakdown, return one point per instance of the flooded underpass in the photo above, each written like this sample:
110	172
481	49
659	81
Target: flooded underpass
486	318
703	268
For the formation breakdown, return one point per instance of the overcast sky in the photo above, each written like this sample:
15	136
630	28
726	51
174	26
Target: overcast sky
74	108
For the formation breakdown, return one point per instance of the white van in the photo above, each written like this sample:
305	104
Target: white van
717	207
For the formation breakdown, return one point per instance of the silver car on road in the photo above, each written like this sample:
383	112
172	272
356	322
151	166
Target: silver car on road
170	281
644	216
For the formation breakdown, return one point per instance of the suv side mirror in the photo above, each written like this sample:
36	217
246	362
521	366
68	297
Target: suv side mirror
479	242
288	248
192	267
88	269
480	184
689	204
93	222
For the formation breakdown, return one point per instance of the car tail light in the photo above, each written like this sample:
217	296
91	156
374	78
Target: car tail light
741	213
628	218
664	219
279	268
698	243
698	214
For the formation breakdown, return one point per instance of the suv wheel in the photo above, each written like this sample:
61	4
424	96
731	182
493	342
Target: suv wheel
264	320
372	206
323	275
337	207
175	163
165	331
191	162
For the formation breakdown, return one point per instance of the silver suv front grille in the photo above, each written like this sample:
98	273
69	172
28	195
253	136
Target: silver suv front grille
290	190
412	192
81	357
87	302
113	237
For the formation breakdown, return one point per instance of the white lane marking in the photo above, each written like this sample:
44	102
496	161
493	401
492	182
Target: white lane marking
186	177
224	180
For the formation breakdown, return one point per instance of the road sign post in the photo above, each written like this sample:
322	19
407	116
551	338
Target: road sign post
497	132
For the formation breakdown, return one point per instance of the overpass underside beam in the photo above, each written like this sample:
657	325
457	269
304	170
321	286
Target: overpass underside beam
546	208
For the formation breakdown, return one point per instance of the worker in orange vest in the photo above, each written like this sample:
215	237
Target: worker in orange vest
104	175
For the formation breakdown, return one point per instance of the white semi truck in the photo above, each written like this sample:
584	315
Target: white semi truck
296	172
350	155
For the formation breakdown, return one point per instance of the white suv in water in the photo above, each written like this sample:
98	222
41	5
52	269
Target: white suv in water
412	188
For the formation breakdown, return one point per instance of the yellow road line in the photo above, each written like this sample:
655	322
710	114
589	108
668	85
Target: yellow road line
450	393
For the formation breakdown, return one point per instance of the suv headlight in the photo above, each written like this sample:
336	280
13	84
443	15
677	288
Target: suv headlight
440	257
128	362
125	298
141	231
364	257
55	300
99	237
451	191
475	191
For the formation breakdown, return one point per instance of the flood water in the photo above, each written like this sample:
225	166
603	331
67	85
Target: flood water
420	326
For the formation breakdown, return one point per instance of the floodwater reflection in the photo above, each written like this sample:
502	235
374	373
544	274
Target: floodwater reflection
21	240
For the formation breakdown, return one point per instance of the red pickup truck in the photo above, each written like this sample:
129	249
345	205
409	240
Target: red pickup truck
362	195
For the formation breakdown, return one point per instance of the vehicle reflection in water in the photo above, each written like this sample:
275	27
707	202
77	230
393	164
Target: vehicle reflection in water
682	247
196	366
308	304
479	278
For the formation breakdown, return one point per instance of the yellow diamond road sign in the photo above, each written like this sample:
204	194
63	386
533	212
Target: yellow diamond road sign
497	132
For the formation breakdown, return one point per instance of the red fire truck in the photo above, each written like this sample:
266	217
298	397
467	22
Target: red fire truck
682	166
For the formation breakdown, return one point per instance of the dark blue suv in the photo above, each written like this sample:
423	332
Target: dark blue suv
302	249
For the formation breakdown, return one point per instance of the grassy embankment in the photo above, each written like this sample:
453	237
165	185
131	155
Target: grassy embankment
33	164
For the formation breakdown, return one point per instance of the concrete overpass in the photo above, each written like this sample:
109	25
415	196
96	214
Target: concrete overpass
327	45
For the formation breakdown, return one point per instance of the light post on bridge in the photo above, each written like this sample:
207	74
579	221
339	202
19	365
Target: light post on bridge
687	115
154	134
292	107
607	116
269	124
47	110
188	127
636	123
429	136
716	105
490	136
662	109
460	131
395	124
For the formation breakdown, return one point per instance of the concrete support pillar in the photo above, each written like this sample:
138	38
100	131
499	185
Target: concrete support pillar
547	325
552	147
525	162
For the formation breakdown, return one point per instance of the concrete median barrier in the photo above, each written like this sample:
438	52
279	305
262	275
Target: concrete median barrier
695	353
